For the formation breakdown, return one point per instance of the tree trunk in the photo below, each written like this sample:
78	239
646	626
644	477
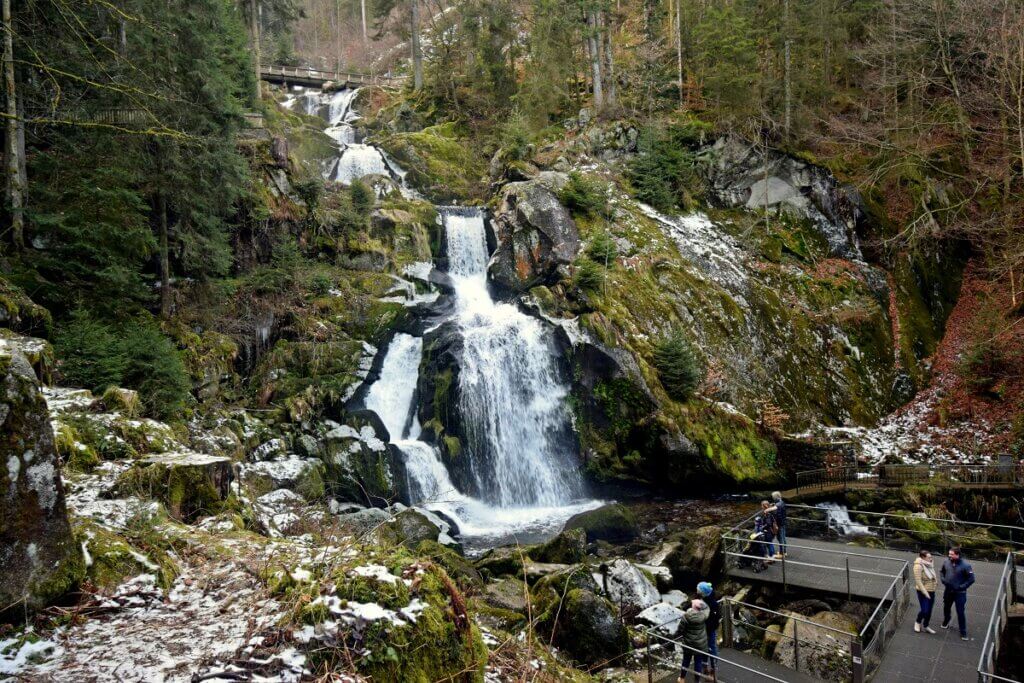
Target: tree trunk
417	55
787	76
595	59
679	53
165	257
15	189
362	13
254	35
609	62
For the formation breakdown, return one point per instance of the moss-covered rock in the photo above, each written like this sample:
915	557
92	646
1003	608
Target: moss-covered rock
39	558
586	627
189	484
19	313
615	523
697	557
361	467
439	161
112	558
568	547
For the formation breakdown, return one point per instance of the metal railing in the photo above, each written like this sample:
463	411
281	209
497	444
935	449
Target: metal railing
1006	595
882	624
979	476
311	74
652	657
898	532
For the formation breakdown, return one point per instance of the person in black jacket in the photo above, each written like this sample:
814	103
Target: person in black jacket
707	594
957	576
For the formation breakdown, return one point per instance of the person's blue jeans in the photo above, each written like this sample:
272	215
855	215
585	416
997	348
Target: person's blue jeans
769	548
698	663
927	602
949	598
782	540
713	647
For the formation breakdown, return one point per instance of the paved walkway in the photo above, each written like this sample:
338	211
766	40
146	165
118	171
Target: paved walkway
909	656
728	672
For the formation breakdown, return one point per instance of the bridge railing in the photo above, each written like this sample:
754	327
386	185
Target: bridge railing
907	532
659	645
881	626
309	73
1006	595
979	475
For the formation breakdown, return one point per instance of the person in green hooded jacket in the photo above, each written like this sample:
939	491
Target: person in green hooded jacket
694	637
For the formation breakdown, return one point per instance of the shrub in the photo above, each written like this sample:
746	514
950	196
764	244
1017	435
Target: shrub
665	166
678	369
97	354
514	137
310	191
588	276
602	249
584	197
362	196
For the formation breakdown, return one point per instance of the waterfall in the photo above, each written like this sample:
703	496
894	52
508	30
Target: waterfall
512	399
513	406
838	517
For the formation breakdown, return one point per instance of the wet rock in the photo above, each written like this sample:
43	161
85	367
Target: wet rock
283	512
411	526
305	476
614	523
536	235
502	561
38	352
698	557
568	547
629	587
189	484
361	468
39	559
586	627
363	520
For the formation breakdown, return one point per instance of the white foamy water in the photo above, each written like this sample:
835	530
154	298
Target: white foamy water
513	405
838	518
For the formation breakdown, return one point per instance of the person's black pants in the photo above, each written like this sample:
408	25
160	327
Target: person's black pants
959	598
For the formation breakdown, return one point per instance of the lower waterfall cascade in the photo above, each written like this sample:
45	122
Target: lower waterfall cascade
513	404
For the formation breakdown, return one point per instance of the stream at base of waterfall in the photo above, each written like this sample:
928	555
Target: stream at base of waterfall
512	399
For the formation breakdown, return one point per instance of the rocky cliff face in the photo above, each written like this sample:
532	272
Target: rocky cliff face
39	559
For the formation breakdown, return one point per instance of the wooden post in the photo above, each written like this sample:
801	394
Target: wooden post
857	660
848	591
650	665
796	644
727	634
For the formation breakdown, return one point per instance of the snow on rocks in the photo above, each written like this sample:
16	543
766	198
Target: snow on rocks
628	586
663	617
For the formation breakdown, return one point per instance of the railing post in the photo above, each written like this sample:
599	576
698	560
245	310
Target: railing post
727	635
796	644
650	665
885	544
848	590
784	572
857	660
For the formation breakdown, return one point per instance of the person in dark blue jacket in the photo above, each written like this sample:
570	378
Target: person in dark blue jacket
957	576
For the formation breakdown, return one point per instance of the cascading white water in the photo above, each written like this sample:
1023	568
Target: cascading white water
510	384
511	396
355	160
838	517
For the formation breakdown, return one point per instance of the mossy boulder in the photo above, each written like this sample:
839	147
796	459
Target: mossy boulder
360	465
586	627
189	484
457	566
536	235
39	558
38	352
503	561
614	523
123	401
568	547
440	162
305	476
822	653
19	313
112	558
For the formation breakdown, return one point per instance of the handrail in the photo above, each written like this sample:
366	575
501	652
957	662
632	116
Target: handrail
795	617
820	550
321	74
971	474
1005	596
890	589
889	514
650	633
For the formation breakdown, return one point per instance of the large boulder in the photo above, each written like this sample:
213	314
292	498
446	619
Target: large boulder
823	653
536	235
586	627
360	465
629	587
741	174
39	559
614	523
663	618
568	547
698	557
189	484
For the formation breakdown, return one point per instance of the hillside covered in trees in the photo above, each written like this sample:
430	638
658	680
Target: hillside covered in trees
339	346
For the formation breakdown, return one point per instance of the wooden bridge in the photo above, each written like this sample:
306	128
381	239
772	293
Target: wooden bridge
318	78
